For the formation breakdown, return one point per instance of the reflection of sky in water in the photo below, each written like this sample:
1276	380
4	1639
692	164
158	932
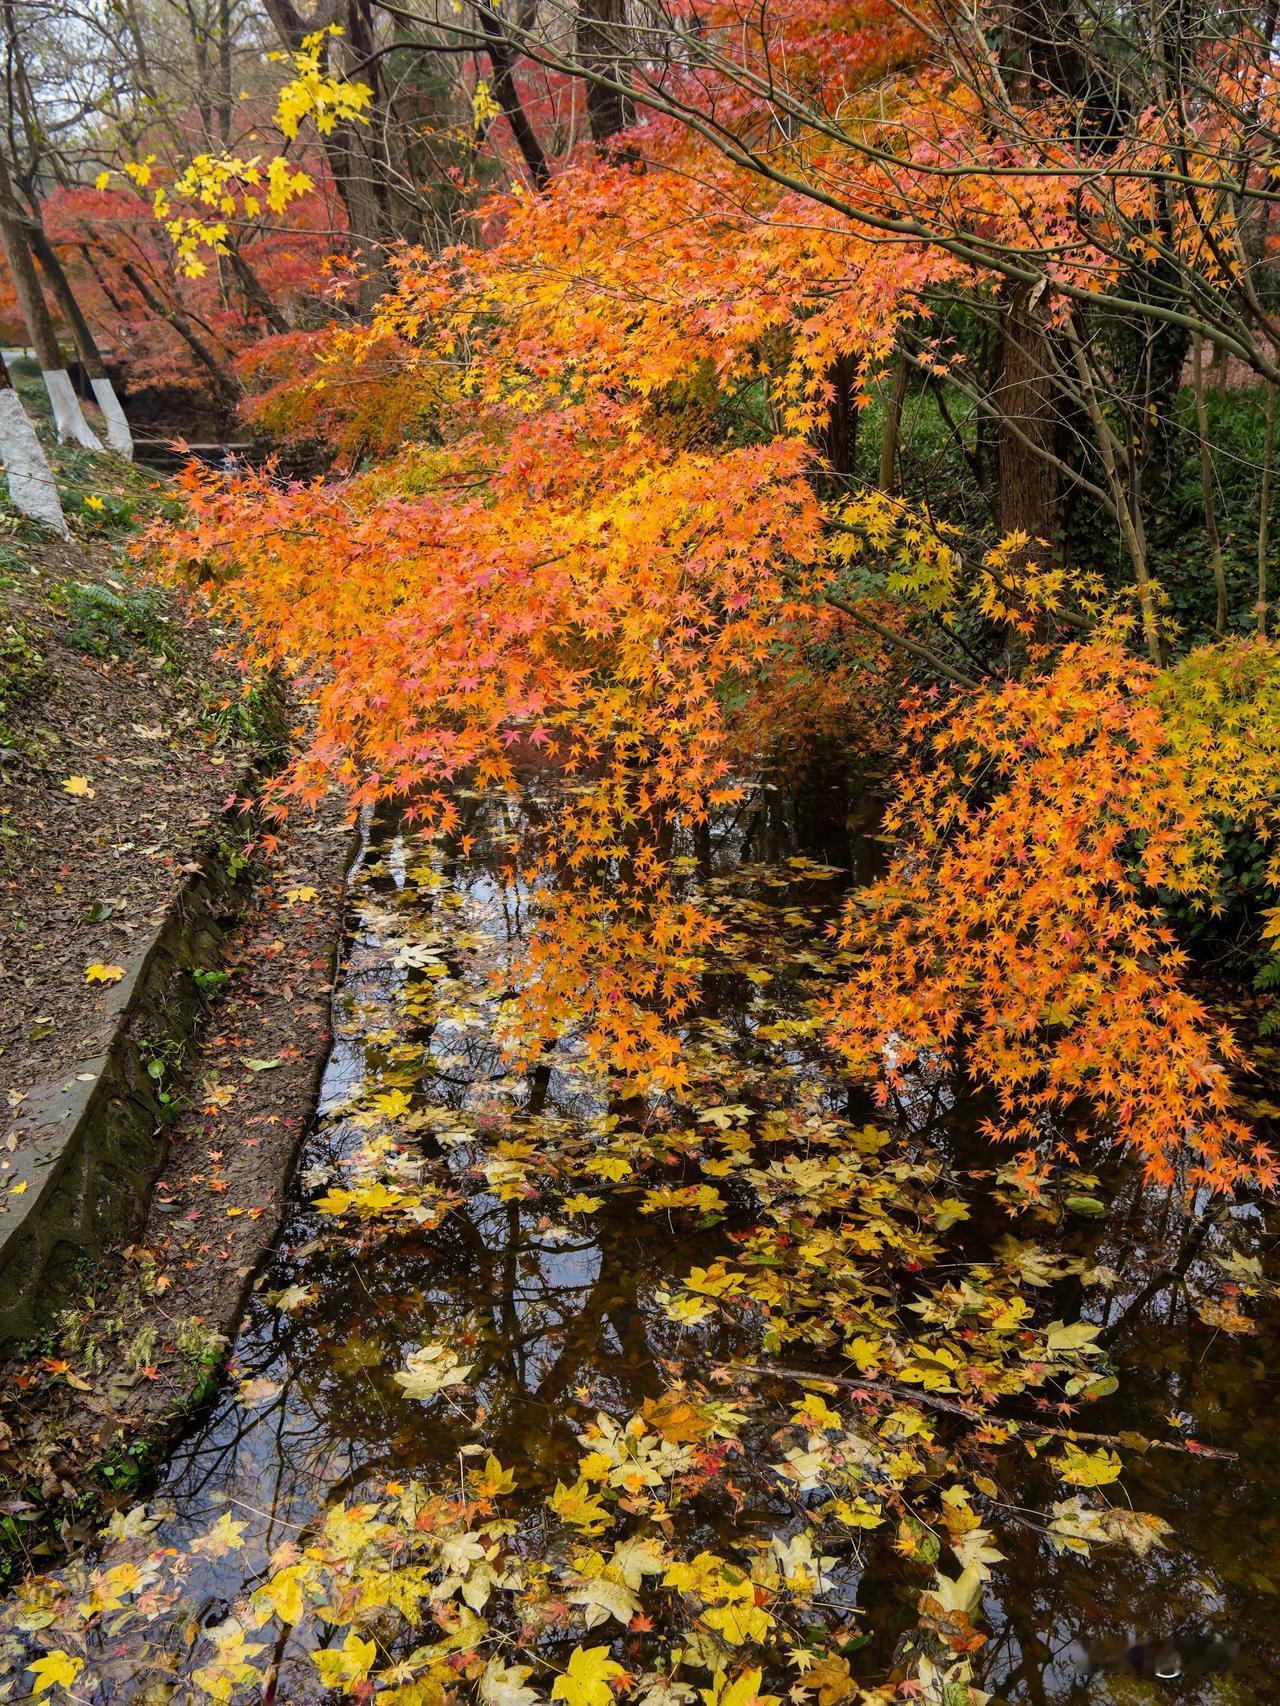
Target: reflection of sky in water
1219	1575
560	1319
551	1314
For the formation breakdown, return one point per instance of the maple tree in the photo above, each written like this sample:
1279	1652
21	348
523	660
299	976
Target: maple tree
600	539
620	544
1022	913
658	610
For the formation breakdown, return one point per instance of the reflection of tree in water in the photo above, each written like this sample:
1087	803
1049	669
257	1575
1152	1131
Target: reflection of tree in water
560	1318
552	1316
1216	1577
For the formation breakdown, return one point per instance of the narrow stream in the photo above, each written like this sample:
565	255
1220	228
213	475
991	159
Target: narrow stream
559	1316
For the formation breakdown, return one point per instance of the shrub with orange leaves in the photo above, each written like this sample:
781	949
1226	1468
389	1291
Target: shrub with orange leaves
301	390
1019	930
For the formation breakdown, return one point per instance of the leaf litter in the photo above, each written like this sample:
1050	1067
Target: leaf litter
842	1385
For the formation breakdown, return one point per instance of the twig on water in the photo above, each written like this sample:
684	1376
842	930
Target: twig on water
870	1388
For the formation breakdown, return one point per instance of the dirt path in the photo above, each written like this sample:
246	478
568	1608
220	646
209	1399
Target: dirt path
122	734
125	733
83	1412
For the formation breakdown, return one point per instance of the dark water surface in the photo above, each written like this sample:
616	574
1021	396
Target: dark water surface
559	1318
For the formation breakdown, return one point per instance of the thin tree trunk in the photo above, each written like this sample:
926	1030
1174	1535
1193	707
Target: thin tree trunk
503	60
254	293
52	268
1206	488
892	427
1264	512
1130	525
1220	371
224	72
68	416
200	54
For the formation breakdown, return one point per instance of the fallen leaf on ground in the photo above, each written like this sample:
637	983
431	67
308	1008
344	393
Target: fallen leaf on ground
100	973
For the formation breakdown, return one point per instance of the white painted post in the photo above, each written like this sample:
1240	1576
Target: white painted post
119	437
68	416
31	484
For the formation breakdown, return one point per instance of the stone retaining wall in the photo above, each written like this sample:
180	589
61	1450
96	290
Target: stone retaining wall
91	1142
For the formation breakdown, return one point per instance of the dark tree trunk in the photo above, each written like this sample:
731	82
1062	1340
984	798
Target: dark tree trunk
502	58
1025	397
224	72
838	440
26	284
86	344
601	48
1042	58
254	294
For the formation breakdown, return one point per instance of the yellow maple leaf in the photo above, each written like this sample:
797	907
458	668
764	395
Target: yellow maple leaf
54	1669
283	1593
99	973
226	1535
347	1665
78	785
586	1682
579	1506
613	1167
739	1620
1089	1468
743	1690
494	1479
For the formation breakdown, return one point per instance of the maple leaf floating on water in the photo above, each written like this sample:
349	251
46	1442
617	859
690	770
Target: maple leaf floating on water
293	1297
133	1524
259	1390
586	1681
1089	1468
430	1370
226	1535
54	1670
743	1690
503	1685
348	1665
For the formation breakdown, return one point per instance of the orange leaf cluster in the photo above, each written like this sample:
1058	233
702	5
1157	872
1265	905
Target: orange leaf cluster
1019	931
